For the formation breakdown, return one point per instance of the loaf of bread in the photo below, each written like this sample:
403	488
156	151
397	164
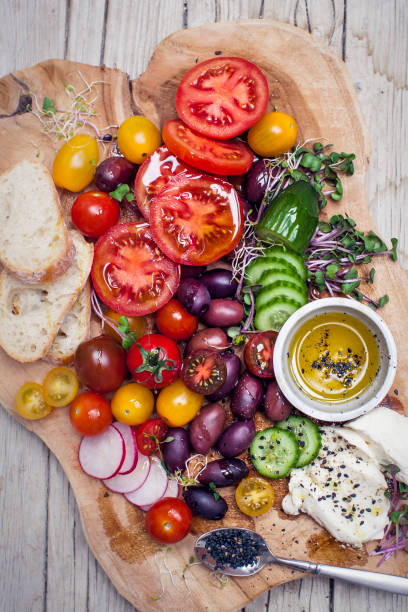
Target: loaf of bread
74	330
31	314
34	240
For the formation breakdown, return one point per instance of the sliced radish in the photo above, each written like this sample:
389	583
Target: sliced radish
102	456
172	490
125	483
153	488
129	437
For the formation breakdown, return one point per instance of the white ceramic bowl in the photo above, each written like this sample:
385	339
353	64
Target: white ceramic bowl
349	409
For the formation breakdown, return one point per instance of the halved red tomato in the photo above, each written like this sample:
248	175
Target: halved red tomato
197	220
222	97
154	174
130	274
204	153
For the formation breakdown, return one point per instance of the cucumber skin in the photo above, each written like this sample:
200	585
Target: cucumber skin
275	264
282	252
279	289
266	472
291	217
293	418
291	304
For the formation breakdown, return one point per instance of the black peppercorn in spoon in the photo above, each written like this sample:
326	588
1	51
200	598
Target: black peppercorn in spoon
237	551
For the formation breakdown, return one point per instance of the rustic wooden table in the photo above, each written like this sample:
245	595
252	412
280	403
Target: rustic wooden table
45	562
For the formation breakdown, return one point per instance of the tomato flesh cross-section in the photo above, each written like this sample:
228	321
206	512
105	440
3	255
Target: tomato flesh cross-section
130	274
197	220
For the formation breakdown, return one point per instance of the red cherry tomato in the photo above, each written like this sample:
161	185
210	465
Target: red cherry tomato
148	434
100	364
174	321
94	212
129	272
258	354
90	414
154	174
154	361
197	220
204	153
168	520
222	97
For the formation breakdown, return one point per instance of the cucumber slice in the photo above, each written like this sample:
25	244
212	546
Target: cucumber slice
274	314
294	259
274	452
260	265
307	435
281	288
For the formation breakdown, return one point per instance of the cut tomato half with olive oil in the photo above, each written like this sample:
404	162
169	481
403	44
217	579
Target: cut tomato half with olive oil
130	274
217	157
222	97
154	174
197	220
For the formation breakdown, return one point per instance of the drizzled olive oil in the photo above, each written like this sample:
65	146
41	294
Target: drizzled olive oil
333	357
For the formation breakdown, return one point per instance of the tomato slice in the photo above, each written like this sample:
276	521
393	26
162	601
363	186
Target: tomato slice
254	496
222	97
60	386
258	354
130	274
204	372
154	174
197	220
30	403
204	153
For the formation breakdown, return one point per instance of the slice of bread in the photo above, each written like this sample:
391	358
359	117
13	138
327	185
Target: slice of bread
34	241
31	314
74	330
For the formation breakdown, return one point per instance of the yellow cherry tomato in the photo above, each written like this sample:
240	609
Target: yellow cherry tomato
132	404
75	163
254	496
30	403
138	137
60	387
177	405
136	324
274	134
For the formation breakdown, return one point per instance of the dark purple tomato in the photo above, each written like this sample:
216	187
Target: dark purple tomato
233	365
194	296
223	313
100	364
224	472
219	283
112	172
236	438
247	396
277	407
212	338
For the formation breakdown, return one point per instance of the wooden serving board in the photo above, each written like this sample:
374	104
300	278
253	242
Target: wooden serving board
324	104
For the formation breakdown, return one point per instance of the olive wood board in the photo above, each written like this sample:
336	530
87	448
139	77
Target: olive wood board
325	105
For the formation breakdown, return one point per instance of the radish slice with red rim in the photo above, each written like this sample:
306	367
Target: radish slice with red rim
153	488
125	483
172	490
102	456
129	437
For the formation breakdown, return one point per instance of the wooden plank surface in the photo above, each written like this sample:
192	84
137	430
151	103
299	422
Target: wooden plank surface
46	564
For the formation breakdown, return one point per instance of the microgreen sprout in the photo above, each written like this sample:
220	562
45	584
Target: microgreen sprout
122	191
167	571
122	328
190	478
214	490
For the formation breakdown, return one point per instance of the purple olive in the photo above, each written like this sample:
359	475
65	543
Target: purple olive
224	472
219	283
277	407
257	180
233	365
212	338
207	428
194	296
177	451
112	172
223	313
191	271
203	502
247	396
236	438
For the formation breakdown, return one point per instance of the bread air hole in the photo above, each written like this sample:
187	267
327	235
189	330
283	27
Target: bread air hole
27	300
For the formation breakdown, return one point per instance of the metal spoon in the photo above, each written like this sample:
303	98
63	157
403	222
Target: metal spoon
262	555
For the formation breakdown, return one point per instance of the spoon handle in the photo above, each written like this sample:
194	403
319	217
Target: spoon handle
374	580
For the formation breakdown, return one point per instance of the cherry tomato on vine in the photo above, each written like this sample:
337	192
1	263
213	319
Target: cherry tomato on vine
90	414
222	97
213	156
94	212
177	405
138	137
132	404
30	403
258	354
75	163
254	496
60	386
148	434
154	361
175	322
168	520
273	135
